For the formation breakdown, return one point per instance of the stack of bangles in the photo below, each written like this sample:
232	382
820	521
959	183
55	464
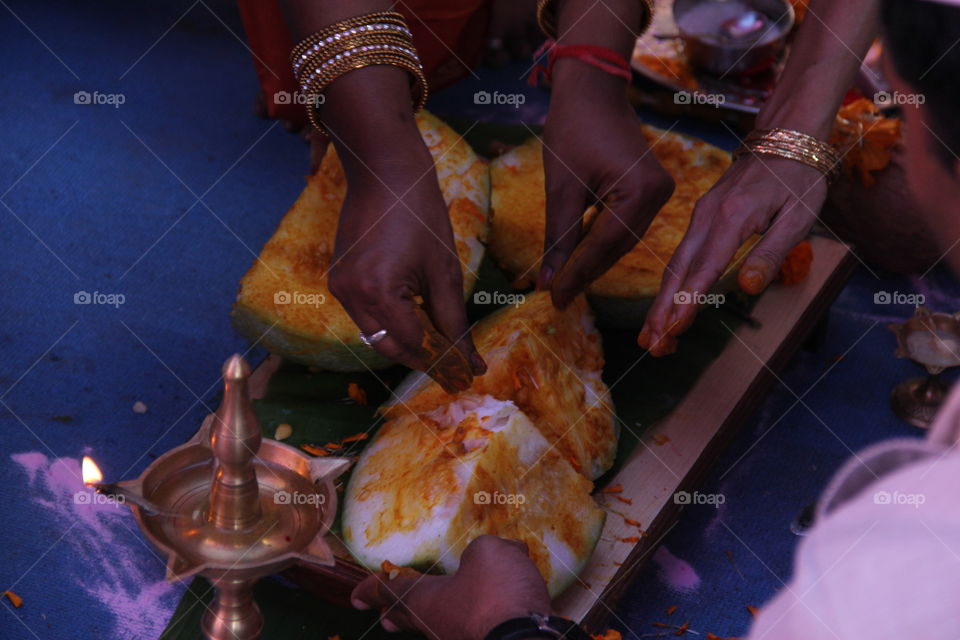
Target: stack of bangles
547	17
795	146
380	38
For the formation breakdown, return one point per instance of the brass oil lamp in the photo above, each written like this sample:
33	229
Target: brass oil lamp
233	507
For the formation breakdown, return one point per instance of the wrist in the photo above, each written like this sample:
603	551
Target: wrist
490	621
533	626
807	107
377	161
574	79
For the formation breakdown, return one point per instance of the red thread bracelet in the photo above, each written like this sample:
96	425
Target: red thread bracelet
603	58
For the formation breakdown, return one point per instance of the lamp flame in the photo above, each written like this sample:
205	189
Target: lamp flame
91	472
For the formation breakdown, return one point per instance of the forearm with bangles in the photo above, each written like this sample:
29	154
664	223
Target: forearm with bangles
381	93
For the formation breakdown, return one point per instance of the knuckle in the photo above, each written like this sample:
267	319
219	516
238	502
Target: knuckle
367	288
766	254
734	209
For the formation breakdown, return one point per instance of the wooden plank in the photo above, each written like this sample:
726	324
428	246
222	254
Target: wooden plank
699	427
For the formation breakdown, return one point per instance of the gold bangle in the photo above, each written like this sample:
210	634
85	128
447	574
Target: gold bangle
376	32
384	17
793	145
317	82
411	65
380	38
325	72
547	17
347	47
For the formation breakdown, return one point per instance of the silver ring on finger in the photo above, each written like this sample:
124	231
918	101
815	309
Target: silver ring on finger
373	338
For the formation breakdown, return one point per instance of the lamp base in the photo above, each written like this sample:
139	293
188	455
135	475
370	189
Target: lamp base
233	614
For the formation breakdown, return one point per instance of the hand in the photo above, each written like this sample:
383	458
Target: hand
394	244
496	581
757	194
594	151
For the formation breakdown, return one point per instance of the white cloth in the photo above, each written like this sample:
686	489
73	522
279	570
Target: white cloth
883	558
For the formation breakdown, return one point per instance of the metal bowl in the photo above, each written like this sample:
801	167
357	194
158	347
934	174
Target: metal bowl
724	56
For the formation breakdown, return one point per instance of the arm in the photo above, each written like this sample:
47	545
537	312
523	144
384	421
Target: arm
594	150
394	240
758	194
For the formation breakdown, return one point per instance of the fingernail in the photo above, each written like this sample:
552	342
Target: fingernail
652	340
389	626
752	280
644	338
479	366
546	275
358	604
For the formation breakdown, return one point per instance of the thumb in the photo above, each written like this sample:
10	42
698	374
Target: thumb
762	265
449	315
379	591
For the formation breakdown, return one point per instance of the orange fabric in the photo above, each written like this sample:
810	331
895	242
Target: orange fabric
449	38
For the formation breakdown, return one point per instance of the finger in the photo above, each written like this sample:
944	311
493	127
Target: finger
448	365
608	238
391	596
763	263
400	343
413	341
705	270
449	314
378	591
660	315
566	201
397	618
